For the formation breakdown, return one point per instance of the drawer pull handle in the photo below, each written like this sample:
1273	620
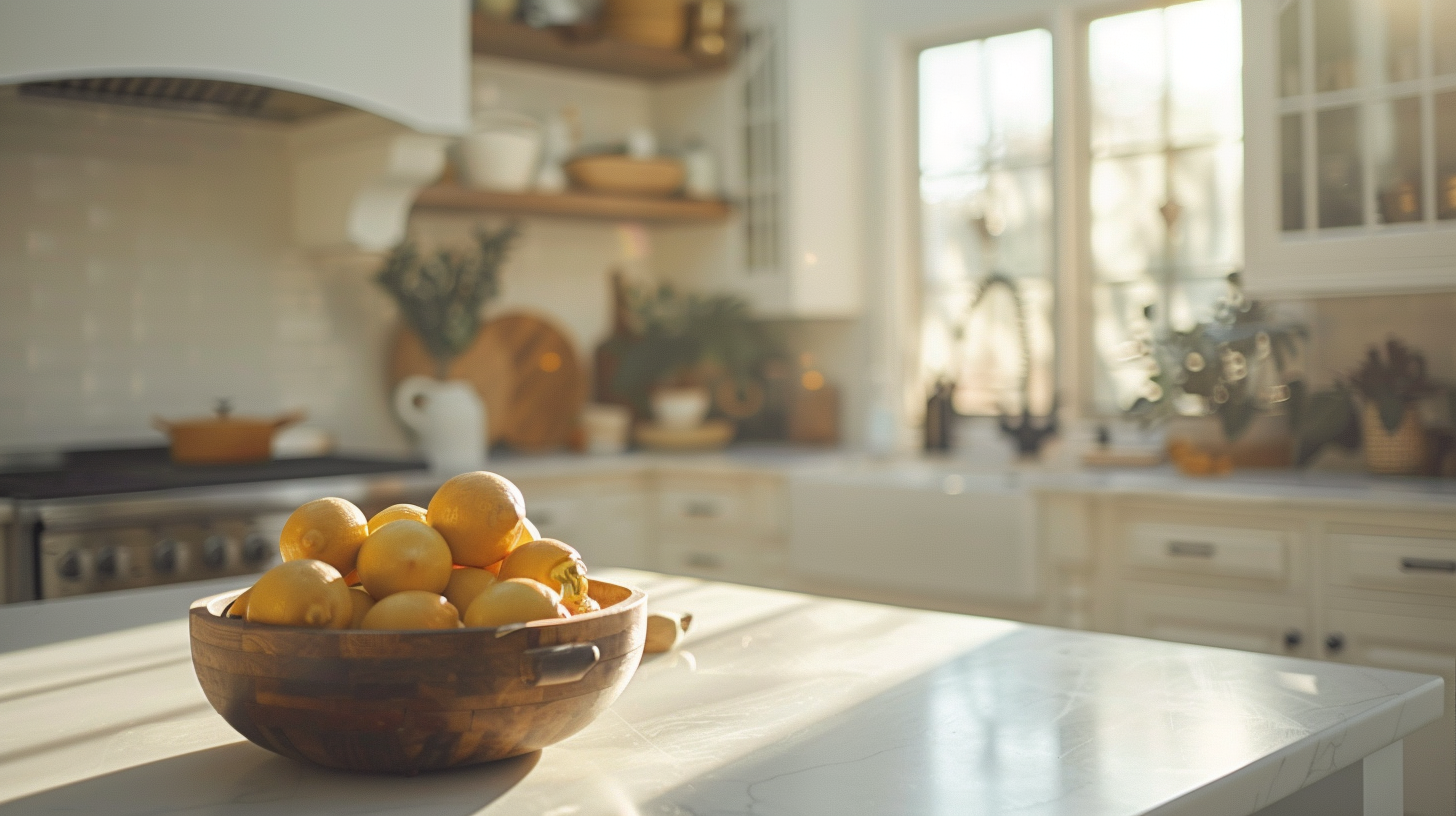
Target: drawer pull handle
1427	565
1190	549
701	509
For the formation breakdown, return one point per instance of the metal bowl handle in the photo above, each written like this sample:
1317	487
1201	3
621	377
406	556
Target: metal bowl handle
554	665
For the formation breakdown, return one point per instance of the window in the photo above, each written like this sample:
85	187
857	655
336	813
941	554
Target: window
1166	183
986	221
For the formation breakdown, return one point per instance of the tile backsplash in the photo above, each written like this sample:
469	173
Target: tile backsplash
147	268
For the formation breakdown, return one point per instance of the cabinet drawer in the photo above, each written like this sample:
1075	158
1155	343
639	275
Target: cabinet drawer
1237	552
741	505
742	565
1229	623
1403	563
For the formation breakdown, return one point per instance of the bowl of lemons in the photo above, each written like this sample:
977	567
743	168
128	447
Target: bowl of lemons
420	639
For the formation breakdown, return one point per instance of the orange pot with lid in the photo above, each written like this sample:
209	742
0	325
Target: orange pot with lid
224	438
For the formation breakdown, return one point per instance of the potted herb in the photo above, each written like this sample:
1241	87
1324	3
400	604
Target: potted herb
686	346
1232	368
440	297
1389	388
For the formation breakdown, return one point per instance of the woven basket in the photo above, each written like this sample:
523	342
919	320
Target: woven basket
1400	453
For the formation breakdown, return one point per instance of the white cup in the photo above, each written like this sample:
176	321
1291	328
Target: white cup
502	153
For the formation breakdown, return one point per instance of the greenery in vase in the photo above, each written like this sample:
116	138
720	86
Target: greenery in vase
1217	367
1393	383
440	296
689	339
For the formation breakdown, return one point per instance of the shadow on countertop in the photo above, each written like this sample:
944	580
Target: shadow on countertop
242	778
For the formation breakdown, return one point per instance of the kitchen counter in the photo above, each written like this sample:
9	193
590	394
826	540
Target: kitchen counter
776	703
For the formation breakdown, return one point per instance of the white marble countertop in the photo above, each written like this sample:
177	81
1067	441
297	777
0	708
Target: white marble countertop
776	703
1273	486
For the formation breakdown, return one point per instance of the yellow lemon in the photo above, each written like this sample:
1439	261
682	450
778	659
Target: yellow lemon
301	593
404	555
362	604
517	600
412	609
329	530
466	584
239	607
397	512
479	514
530	533
553	563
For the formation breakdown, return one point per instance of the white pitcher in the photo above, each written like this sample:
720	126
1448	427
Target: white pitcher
449	418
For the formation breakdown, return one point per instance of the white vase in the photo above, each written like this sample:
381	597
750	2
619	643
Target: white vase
449	418
502	153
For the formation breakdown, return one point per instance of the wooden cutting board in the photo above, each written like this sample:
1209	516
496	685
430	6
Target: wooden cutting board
525	370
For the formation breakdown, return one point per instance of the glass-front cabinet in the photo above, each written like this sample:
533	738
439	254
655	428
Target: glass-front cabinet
1350	135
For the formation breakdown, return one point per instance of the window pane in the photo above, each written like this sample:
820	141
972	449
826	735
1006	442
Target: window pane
1126	58
986	190
1443	35
1291	72
1209	235
1119	332
1127	228
1402	22
1335	67
1446	155
1204	73
1291	172
952	114
1397	142
1337	135
1019	72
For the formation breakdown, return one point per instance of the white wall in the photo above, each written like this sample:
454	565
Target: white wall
146	268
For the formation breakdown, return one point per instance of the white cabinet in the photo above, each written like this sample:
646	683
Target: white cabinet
1225	620
786	124
605	518
1350	146
724	527
1424	643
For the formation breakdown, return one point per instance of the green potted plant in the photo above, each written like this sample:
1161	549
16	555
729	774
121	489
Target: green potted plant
686	346
1389	388
1232	368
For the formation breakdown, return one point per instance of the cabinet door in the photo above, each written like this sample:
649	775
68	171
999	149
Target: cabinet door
1228	622
1350	146
1426	645
606	520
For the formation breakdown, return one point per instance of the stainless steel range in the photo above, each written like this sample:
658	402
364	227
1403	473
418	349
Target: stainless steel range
104	520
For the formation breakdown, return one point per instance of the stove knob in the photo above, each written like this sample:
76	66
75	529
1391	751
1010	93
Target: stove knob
106	562
69	566
164	555
214	551
256	549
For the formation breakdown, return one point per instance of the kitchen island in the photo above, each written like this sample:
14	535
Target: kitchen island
776	703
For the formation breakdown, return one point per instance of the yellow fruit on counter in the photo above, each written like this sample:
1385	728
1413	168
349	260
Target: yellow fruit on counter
412	609
480	516
362	604
239	607
516	600
397	512
301	593
555	564
328	530
466	584
404	555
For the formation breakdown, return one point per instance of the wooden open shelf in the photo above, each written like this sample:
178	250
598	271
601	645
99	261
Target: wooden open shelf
574	204
505	39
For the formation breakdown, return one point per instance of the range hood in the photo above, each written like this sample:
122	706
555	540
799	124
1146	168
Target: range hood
405	64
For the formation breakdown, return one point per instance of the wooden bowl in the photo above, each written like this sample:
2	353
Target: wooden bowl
405	702
623	174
